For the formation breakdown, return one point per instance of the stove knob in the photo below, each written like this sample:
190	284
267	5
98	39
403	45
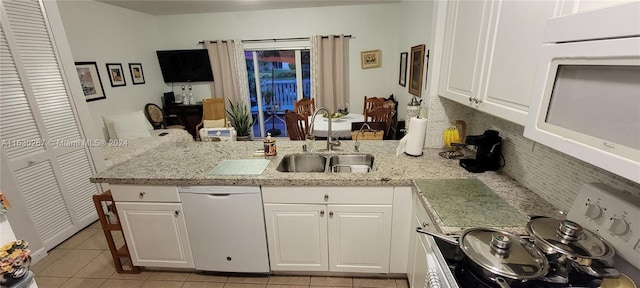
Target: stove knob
618	226
593	211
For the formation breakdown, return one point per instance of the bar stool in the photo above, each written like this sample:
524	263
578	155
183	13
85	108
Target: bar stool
108	225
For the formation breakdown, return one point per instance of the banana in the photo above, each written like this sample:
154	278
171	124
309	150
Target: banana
451	135
455	136
447	137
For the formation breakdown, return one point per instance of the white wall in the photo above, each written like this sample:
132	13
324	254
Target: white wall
104	33
391	28
415	28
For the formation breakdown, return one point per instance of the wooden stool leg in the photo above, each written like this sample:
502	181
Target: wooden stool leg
107	227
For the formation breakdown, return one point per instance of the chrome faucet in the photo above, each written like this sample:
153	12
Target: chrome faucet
330	142
357	145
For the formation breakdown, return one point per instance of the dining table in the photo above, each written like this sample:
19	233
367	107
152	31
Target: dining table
340	128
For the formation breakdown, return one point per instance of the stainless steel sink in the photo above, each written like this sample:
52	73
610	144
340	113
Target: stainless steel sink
303	163
333	163
353	163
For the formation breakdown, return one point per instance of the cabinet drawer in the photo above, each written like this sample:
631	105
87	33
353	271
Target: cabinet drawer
144	193
328	195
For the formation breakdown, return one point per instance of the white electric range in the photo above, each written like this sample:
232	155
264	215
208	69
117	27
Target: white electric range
615	216
612	214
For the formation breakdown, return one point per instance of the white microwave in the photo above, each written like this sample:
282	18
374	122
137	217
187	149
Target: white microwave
586	97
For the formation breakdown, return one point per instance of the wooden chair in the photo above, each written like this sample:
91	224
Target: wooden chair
297	125
305	106
213	109
156	117
380	115
392	103
372	103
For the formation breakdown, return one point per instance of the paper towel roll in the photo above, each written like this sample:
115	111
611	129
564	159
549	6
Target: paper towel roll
415	136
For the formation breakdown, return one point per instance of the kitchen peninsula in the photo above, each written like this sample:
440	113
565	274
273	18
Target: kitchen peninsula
390	187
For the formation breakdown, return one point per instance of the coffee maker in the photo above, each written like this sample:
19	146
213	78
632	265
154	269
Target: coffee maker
488	155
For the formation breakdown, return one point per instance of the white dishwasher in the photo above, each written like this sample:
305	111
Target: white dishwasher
226	228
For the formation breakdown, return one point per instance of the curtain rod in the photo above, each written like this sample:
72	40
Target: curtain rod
276	39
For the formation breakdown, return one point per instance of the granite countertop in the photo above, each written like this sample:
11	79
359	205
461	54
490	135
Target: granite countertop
190	163
458	204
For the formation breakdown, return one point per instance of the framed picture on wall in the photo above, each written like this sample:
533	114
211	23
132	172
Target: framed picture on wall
370	59
116	76
403	69
90	81
137	76
415	72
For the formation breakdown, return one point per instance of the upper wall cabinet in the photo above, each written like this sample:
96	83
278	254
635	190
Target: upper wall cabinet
491	51
492	48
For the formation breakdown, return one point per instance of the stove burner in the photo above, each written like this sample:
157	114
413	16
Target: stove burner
467	278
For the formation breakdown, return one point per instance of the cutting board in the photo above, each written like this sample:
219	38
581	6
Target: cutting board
240	167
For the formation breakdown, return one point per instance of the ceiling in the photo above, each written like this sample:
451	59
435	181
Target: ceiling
161	7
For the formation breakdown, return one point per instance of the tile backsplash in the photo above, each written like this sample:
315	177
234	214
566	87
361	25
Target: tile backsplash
553	175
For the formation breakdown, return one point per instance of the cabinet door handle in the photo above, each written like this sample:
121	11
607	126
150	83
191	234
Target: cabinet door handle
142	194
330	214
425	224
321	213
326	197
475	100
176	212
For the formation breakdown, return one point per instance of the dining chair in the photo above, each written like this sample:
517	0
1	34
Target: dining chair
214	114
158	120
297	125
380	114
371	103
305	106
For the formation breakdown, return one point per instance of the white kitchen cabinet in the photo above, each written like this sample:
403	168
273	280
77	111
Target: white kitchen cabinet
156	234
153	224
359	238
491	52
341	232
297	236
466	28
418	268
586	5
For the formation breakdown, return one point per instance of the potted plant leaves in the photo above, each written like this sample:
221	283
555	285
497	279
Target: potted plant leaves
240	119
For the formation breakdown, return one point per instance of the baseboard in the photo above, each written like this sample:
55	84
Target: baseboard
38	255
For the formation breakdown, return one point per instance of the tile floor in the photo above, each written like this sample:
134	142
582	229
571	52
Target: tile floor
84	261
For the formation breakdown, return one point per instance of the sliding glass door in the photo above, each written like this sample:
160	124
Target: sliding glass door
277	78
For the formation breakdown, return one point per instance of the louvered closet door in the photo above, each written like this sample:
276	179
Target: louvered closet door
40	129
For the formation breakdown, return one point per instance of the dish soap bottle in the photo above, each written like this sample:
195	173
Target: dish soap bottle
269	146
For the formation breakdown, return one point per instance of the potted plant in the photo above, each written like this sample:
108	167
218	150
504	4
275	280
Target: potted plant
241	120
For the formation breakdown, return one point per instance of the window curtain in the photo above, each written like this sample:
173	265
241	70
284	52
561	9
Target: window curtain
229	71
328	76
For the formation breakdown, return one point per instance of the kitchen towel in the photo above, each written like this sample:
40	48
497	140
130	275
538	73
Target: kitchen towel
413	143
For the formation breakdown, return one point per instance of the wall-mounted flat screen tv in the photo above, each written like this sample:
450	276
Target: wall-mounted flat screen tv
185	65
